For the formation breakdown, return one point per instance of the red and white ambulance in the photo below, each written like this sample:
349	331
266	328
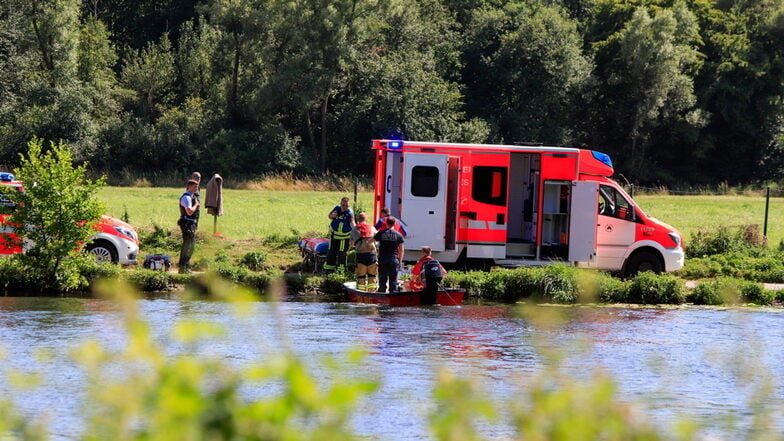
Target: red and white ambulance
114	241
519	205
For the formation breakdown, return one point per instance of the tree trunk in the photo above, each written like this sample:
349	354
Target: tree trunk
46	57
311	138
323	146
235	74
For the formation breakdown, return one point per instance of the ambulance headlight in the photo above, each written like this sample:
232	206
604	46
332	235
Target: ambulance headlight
675	238
126	232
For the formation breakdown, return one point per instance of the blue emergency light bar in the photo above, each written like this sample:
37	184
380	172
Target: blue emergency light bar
395	145
6	177
604	158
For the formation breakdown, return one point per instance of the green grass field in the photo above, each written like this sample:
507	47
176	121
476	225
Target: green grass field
252	216
691	213
248	214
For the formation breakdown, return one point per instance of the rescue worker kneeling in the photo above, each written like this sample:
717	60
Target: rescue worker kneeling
367	256
427	276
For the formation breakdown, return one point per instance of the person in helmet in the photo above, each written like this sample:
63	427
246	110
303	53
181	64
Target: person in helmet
342	221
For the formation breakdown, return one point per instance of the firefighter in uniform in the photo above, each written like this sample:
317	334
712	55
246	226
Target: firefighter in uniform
339	233
367	257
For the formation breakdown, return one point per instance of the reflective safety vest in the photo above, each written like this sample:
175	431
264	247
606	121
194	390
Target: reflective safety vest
340	227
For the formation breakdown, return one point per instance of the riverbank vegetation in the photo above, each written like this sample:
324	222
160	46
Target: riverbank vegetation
675	92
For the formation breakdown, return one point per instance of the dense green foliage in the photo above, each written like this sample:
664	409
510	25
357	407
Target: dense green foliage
675	90
725	290
57	211
738	252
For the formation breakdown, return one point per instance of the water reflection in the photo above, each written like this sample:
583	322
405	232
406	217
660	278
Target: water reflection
701	362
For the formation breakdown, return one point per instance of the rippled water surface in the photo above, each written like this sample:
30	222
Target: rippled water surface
701	363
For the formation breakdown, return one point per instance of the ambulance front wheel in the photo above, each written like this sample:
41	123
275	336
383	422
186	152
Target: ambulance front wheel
643	261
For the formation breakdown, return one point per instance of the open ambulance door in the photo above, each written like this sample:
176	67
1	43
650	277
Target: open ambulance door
391	184
583	221
424	209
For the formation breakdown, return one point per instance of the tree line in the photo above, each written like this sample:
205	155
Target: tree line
676	91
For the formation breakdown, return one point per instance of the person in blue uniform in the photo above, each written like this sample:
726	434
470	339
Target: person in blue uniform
342	221
390	254
188	222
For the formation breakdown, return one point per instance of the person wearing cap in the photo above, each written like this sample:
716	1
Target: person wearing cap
341	222
196	176
188	222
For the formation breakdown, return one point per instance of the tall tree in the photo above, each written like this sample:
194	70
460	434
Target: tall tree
150	73
646	82
524	70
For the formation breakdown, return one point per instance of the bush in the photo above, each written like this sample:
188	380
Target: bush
57	211
149	280
253	260
761	265
494	285
333	283
91	271
648	288
756	293
471	281
158	238
715	292
725	290
723	240
613	290
520	283
558	283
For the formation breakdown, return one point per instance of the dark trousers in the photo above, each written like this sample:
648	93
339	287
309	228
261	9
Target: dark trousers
387	273
188	230
336	256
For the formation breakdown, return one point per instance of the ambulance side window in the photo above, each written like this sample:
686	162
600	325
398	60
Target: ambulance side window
424	181
613	204
489	185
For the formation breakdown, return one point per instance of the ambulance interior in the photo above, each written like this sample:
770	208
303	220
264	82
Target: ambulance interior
523	194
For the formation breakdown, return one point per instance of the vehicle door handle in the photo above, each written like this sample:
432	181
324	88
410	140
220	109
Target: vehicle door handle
469	214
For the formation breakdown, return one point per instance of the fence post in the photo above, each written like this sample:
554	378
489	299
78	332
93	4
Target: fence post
767	204
356	184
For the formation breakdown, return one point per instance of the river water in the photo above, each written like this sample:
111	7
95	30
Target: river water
703	364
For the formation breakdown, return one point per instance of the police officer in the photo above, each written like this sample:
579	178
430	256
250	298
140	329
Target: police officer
390	255
339	236
188	222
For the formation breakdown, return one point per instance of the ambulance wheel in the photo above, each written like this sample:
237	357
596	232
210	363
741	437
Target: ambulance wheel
102	251
643	261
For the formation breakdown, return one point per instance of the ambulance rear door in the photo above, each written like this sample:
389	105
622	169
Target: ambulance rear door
583	221
424	209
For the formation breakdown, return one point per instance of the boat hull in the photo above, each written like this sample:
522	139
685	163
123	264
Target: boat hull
444	297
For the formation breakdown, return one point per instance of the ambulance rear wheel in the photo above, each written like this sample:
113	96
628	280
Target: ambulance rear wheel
102	251
643	261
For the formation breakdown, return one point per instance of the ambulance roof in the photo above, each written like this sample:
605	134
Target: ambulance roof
389	145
